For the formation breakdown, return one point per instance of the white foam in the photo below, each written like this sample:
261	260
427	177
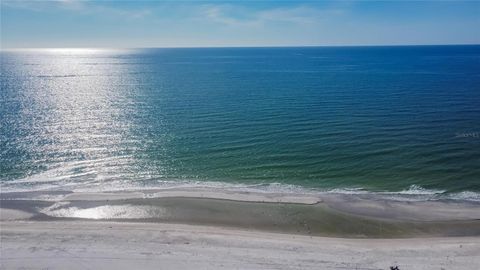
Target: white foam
465	196
412	193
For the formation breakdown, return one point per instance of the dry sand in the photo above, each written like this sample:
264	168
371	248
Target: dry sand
123	245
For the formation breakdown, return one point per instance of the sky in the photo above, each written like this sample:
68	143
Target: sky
136	24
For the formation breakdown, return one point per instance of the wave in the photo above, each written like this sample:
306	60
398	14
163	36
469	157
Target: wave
412	193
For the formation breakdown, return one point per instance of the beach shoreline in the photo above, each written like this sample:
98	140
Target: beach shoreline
215	229
332	215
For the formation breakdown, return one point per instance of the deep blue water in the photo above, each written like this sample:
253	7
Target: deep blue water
369	118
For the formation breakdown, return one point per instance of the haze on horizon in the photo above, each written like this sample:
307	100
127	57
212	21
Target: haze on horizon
124	24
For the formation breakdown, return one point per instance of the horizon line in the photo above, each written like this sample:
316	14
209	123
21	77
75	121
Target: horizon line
235	46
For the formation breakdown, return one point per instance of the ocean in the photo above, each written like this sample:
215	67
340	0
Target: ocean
396	120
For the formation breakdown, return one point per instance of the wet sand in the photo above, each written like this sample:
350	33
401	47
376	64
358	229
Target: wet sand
326	215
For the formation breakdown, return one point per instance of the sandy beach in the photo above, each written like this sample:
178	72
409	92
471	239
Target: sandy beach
115	245
198	229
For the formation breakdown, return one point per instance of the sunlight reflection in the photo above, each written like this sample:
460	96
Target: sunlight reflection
73	50
80	51
107	212
84	97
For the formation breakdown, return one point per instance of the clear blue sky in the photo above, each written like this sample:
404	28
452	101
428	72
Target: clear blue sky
75	23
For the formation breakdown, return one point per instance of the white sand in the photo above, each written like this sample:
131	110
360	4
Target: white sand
197	193
114	245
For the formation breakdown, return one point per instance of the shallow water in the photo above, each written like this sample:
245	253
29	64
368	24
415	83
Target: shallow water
352	119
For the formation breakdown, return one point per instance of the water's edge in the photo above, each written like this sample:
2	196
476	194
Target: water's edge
337	215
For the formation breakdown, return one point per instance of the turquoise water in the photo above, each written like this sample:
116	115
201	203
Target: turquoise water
381	119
